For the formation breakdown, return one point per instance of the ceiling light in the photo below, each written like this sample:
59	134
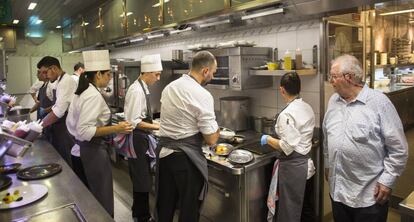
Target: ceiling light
158	4
214	23
58	27
412	21
39	21
85	23
397	12
263	13
155	36
99	26
32	5
16	21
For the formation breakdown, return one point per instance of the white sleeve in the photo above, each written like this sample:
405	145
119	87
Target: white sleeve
206	118
64	94
35	87
289	134
88	114
133	107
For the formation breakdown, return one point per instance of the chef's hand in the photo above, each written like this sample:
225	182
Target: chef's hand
382	193
263	140
124	127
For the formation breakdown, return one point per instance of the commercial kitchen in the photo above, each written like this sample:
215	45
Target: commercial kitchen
254	42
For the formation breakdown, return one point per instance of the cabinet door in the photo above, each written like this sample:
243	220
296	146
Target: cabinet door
93	29
183	10
142	15
67	38
18	76
113	20
77	34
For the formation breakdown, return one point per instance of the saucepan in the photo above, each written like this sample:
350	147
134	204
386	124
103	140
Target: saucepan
240	156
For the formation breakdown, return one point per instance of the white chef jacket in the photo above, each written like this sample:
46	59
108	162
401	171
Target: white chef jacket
135	107
38	84
65	89
76	78
86	112
186	109
295	126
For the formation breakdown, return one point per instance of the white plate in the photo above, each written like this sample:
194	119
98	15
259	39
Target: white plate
29	193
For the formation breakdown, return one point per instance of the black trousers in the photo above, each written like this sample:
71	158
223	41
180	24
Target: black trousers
374	213
77	167
139	171
180	184
308	209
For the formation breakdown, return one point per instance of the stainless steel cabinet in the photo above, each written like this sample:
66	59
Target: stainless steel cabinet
113	20
77	34
142	15
183	10
93	28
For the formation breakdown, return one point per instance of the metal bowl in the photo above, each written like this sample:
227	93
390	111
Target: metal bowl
240	156
238	139
226	133
222	149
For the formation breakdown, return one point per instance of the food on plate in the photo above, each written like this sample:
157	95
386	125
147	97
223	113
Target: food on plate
8	199
221	149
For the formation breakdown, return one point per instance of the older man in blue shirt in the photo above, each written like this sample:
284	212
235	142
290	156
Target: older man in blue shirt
364	145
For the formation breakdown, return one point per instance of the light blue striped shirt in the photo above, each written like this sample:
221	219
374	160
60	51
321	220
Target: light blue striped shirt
364	143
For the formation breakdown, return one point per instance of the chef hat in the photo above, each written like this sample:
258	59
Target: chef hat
151	63
96	60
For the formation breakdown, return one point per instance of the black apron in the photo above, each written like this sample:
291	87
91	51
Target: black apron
61	139
139	168
44	101
291	184
98	171
191	146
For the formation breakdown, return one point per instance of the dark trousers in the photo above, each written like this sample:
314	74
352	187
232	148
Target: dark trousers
374	213
180	184
77	167
308	210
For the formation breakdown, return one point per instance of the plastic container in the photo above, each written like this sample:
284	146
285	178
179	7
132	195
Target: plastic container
298	59
287	64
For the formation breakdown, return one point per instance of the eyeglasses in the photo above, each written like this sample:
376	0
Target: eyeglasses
334	77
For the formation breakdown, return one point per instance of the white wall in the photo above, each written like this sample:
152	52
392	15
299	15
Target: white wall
265	102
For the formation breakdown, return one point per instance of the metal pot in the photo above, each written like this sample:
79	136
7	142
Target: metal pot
234	111
258	124
19	115
177	55
268	126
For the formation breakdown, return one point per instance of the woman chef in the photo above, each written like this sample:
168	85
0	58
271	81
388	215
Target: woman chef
138	112
88	121
294	125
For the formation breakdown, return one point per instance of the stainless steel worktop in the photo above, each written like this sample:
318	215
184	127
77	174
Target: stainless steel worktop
63	188
394	89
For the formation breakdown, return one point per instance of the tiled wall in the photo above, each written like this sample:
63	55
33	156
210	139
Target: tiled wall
265	102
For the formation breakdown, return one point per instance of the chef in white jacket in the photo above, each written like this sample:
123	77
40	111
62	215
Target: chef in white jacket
63	92
294	125
138	112
88	121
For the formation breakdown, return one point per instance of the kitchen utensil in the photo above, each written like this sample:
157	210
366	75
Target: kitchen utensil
5	181
10	168
177	55
258	124
222	149
70	213
271	66
21	195
268	126
238	139
240	156
39	171
226	133
234	111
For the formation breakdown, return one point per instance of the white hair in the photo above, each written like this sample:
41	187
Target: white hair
348	64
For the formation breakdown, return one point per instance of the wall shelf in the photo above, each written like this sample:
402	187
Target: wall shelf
394	65
301	72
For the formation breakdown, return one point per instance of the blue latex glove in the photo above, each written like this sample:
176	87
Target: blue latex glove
263	140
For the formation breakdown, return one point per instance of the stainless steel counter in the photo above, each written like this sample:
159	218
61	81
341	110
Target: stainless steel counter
64	188
406	208
394	89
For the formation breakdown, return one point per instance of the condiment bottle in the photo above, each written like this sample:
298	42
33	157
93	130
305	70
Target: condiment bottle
287	61
298	59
